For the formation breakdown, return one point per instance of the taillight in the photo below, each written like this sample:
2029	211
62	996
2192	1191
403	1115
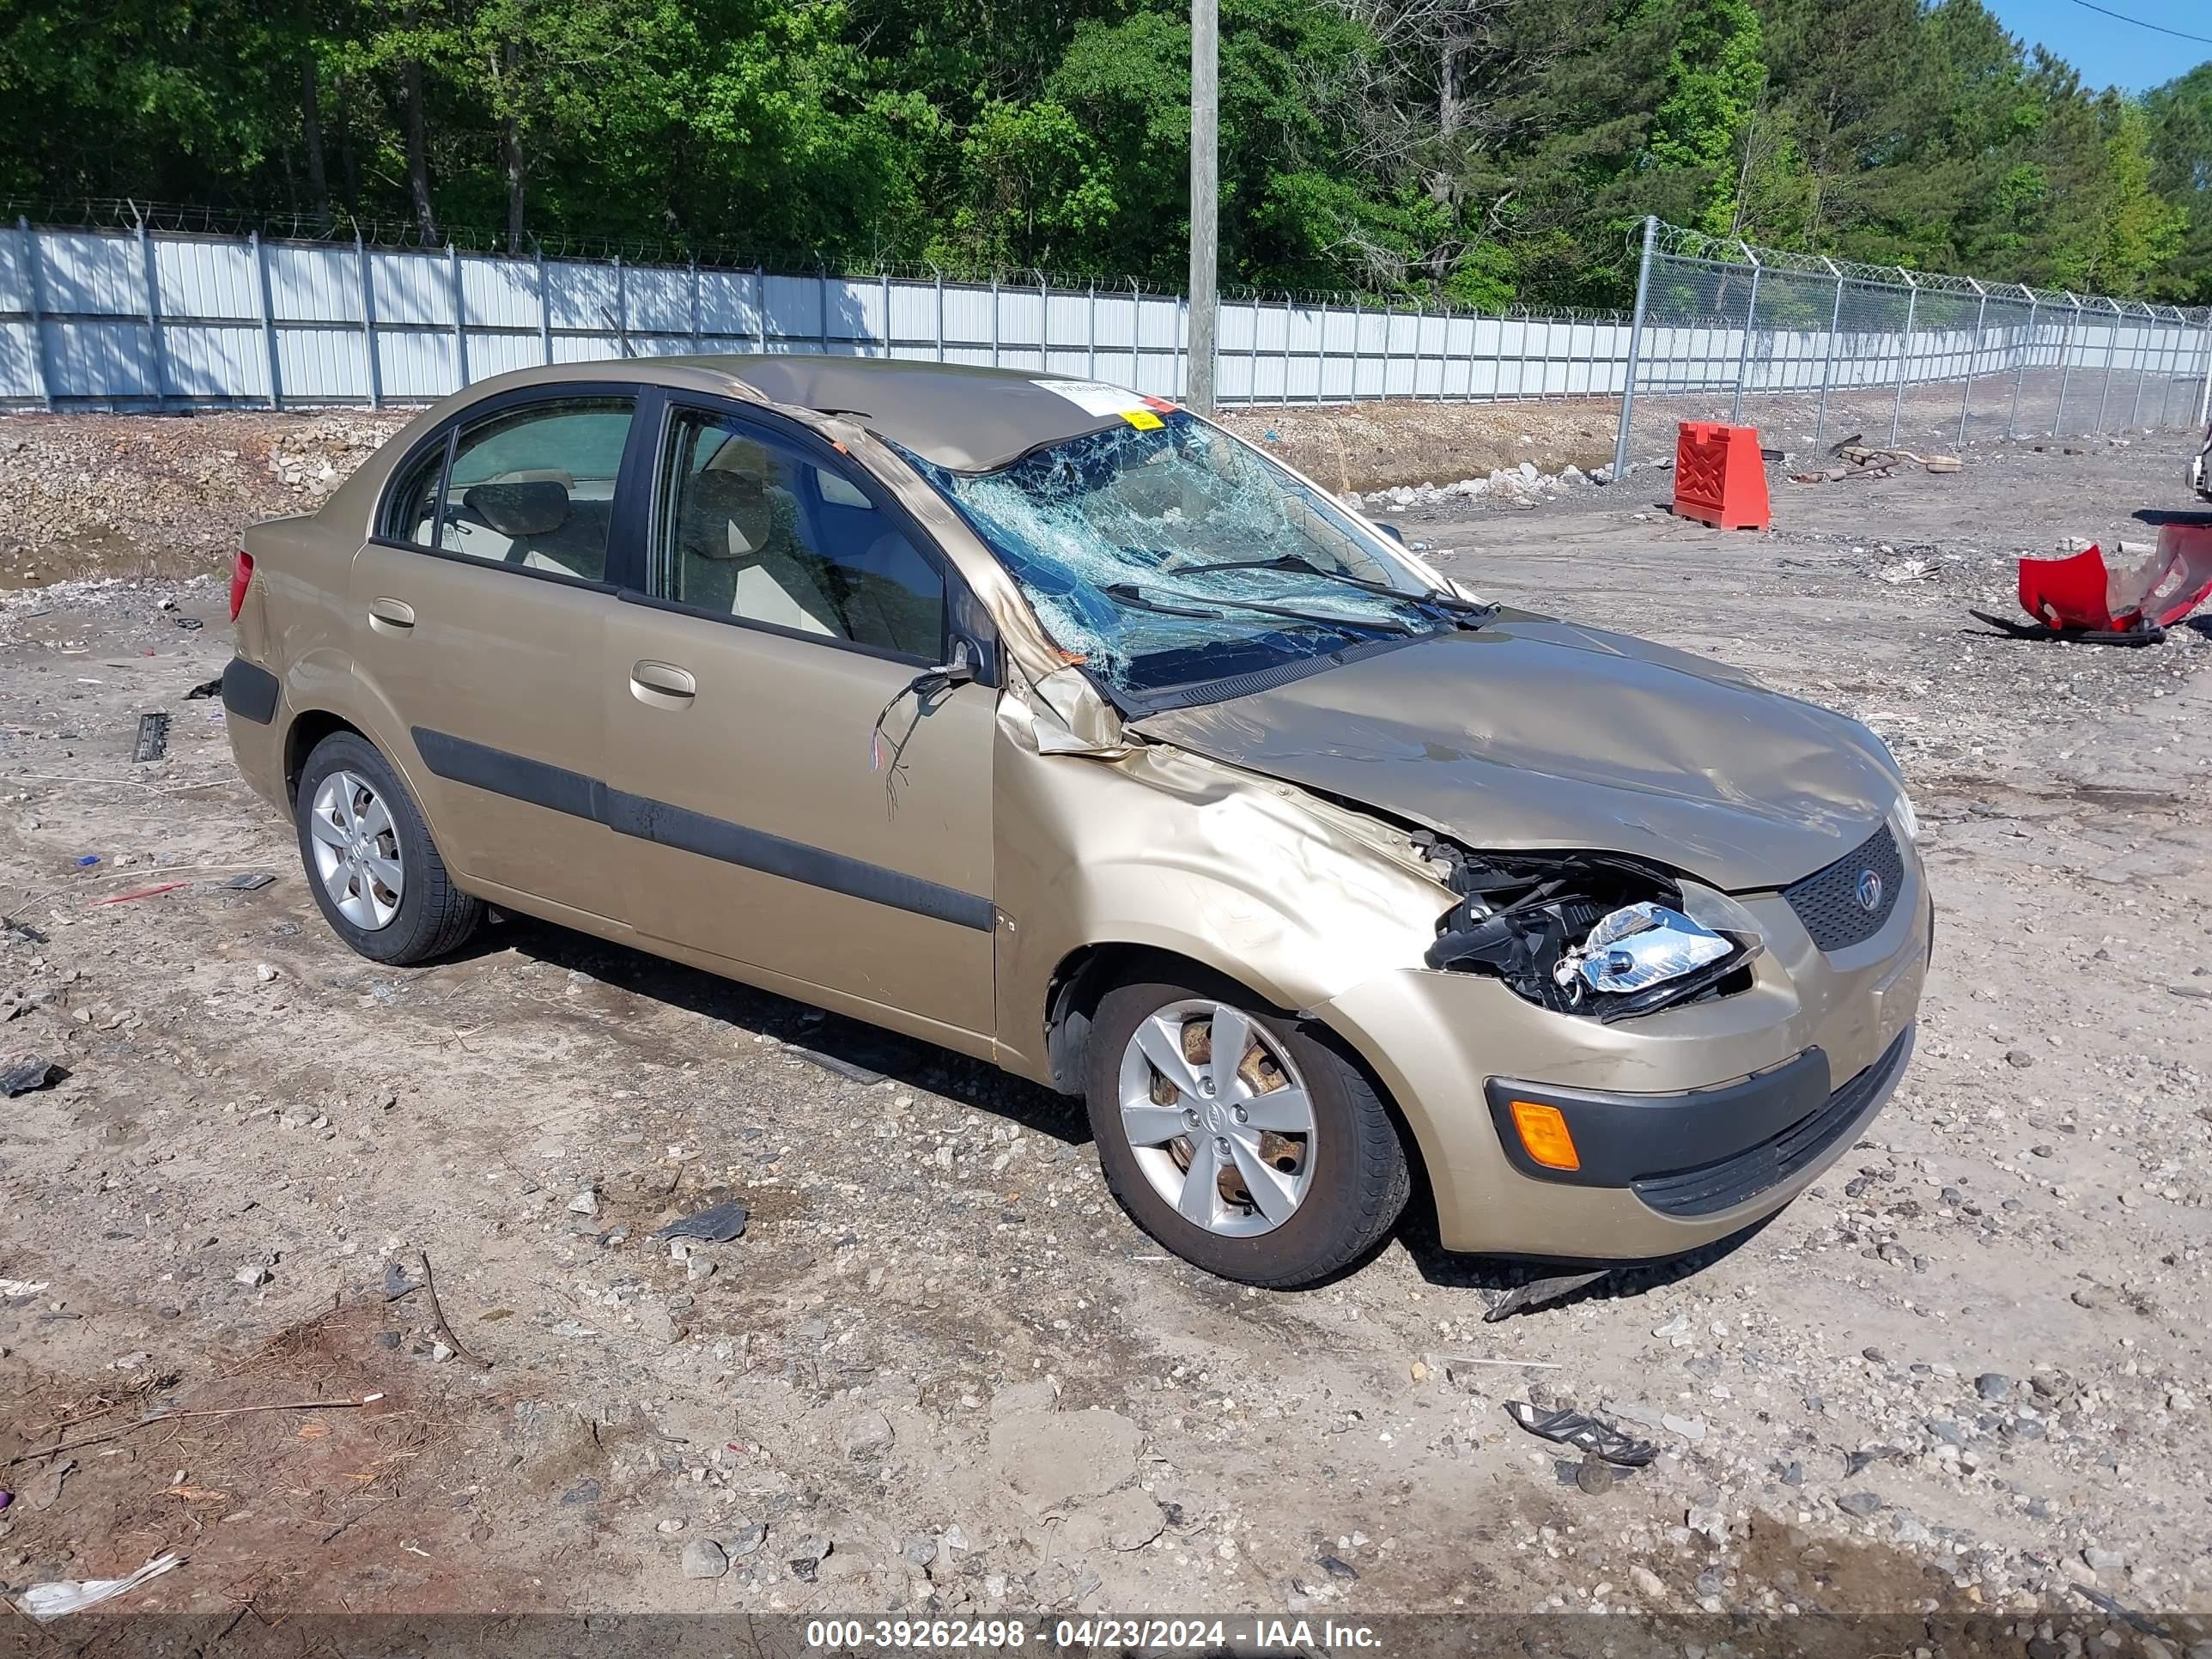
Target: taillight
241	573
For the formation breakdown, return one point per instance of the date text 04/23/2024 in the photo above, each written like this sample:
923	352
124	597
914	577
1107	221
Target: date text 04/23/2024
1247	1635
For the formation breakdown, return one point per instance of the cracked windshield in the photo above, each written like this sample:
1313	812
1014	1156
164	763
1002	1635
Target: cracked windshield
1175	556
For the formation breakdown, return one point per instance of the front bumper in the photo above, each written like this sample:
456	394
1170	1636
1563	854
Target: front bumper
1692	1123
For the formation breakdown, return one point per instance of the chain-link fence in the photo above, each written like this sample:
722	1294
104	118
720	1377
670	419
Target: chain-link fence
1814	352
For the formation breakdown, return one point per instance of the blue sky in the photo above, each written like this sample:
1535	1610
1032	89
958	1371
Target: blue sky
2108	51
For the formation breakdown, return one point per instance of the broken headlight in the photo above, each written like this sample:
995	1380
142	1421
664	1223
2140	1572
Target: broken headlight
1582	933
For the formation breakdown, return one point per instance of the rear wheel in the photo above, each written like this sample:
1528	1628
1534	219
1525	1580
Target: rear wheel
371	865
1242	1143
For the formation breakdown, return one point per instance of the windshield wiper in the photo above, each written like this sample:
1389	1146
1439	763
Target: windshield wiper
1466	611
1130	595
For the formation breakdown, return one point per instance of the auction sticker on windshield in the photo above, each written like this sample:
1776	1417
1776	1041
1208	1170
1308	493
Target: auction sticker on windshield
1097	398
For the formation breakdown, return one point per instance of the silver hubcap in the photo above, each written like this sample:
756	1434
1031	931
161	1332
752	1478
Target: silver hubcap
1218	1118
356	848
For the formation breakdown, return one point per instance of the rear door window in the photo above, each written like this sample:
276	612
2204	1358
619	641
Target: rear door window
532	485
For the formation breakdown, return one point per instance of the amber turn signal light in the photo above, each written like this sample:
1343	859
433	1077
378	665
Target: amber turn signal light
1543	1131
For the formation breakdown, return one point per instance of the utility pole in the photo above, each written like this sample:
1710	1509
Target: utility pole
1205	197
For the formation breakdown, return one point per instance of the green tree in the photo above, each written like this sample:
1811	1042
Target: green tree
1715	76
2180	117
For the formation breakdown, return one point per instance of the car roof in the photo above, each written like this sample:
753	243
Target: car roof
965	417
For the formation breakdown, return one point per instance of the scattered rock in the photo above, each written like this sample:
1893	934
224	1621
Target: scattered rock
1858	1503
867	1436
806	1558
703	1558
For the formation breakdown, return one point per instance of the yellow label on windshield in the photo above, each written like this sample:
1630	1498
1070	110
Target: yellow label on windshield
1143	419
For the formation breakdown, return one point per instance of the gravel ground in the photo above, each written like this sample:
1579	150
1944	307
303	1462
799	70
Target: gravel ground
1967	1373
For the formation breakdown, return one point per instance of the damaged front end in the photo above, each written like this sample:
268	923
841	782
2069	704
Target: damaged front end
1587	933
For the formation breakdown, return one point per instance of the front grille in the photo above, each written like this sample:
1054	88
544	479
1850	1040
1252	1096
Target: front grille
1745	1175
1827	901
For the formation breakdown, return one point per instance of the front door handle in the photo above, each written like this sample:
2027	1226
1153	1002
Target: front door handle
391	616
662	685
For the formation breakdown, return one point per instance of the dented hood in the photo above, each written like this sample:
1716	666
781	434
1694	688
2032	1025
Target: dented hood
1534	732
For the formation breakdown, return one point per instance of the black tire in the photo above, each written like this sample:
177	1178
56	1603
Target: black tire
435	916
1360	1179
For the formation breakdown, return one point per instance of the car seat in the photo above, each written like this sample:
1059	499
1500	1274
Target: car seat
737	538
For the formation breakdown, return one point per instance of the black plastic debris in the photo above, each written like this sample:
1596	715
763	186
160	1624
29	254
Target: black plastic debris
153	738
190	625
1591	1436
717	1225
1536	1293
253	883
22	931
20	1077
206	689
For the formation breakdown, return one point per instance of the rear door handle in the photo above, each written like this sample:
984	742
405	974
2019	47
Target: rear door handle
391	616
662	685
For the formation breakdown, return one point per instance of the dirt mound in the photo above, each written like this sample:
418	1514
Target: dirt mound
163	495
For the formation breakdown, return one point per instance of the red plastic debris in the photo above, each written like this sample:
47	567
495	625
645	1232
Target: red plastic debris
2067	592
1720	477
139	893
2081	592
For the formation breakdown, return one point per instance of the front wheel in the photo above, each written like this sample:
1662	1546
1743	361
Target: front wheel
371	864
1236	1139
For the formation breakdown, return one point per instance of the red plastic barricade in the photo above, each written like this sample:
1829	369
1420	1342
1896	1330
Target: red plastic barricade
1719	477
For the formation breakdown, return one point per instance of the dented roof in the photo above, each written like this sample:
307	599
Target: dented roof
966	416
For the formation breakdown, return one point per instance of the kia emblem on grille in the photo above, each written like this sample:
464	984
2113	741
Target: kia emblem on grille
1869	891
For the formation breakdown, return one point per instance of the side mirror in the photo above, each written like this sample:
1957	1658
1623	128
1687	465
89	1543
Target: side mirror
1393	533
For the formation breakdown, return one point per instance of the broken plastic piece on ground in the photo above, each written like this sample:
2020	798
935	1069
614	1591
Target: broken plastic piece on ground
717	1225
153	738
2082	594
46	1602
1537	1291
206	689
87	861
139	893
1591	1436
11	928
252	883
33	1072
